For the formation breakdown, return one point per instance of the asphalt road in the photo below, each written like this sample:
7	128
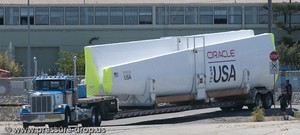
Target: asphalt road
210	115
210	121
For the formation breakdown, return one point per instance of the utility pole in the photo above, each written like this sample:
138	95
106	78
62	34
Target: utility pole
290	17
270	16
28	39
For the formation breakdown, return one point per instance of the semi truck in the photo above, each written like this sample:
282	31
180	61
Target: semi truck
229	70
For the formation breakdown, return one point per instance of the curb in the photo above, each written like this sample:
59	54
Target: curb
296	113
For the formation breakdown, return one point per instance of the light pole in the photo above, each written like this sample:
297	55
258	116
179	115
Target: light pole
270	16
28	39
35	66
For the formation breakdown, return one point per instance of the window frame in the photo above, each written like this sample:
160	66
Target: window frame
72	15
144	16
88	17
131	15
38	16
15	15
60	16
100	16
116	15
206	16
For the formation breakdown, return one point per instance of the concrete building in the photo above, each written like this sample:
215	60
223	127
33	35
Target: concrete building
72	24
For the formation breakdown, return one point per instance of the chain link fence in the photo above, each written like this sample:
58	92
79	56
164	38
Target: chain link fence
12	91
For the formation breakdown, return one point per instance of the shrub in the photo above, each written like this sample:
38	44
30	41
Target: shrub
65	62
9	64
258	114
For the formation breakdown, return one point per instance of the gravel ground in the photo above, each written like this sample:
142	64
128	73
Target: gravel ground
15	100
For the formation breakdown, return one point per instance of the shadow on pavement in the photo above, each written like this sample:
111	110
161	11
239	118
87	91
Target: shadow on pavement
218	116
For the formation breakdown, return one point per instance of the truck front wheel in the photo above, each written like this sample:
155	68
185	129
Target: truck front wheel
66	121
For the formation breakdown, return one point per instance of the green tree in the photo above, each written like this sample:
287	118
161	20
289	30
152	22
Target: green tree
65	62
288	48
289	55
287	9
9	64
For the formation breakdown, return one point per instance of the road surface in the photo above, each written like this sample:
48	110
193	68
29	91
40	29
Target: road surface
210	121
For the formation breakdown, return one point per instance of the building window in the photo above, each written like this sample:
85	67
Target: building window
162	15
116	15
145	15
86	16
251	15
11	16
101	15
131	15
263	15
295	18
191	15
235	15
41	16
57	16
206	15
72	16
24	14
1	16
220	15
176	15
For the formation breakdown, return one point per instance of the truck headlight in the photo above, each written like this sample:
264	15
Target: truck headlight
59	106
26	107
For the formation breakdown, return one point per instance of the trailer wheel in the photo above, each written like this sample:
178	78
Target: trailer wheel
85	123
25	125
257	102
54	124
268	101
95	119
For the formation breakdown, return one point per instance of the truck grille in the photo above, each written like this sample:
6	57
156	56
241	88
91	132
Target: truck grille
41	104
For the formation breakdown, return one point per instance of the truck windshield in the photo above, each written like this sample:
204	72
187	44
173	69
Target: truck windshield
50	84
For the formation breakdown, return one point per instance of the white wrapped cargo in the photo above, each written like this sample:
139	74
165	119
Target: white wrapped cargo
201	66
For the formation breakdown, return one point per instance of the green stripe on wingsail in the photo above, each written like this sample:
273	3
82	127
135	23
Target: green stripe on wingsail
92	79
107	80
273	42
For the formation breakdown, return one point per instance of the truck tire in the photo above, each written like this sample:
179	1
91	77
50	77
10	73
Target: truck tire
94	121
96	118
257	102
25	125
267	101
54	124
67	119
85	123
